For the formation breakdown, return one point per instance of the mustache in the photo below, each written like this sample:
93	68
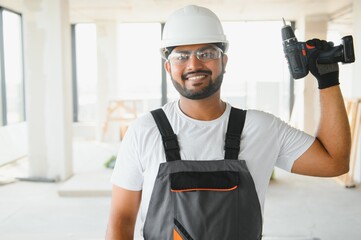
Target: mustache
185	76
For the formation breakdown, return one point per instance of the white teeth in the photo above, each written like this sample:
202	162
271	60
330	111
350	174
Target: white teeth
196	77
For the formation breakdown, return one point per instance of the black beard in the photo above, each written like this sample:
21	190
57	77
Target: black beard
208	91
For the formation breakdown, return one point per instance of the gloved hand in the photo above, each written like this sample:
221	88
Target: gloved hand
326	74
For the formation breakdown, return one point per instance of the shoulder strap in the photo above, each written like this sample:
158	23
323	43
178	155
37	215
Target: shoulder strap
234	130
170	141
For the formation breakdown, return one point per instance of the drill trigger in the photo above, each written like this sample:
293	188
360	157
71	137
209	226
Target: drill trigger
309	46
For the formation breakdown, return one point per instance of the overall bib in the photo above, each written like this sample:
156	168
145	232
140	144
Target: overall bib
199	200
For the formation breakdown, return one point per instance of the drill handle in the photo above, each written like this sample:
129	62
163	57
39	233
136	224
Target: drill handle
343	53
333	55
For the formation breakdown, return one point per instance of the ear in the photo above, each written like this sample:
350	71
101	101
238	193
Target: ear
224	62
167	66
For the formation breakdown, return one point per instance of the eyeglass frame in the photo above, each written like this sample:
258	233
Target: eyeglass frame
197	53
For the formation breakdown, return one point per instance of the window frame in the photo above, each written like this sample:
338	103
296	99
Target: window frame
3	94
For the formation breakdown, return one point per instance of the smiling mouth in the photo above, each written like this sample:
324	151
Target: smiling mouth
195	78
196	75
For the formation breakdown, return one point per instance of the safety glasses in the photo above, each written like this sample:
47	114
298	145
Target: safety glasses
204	54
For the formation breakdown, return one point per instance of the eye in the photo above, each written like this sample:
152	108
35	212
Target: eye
179	57
182	57
208	54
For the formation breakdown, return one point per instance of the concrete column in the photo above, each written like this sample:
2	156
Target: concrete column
48	88
356	81
107	69
312	27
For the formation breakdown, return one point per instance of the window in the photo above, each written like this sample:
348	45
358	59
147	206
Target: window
138	67
257	73
140	64
11	68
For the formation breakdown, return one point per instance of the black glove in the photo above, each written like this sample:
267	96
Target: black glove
326	74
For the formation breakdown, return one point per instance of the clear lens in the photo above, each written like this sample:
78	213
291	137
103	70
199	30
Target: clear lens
203	54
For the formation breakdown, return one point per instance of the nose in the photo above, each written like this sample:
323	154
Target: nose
194	62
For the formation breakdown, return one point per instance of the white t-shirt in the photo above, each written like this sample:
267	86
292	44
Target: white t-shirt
266	141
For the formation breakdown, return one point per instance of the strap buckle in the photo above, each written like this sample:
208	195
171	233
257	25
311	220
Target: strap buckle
233	141
170	142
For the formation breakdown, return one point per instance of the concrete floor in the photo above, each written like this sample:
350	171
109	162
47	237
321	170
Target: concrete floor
312	207
297	207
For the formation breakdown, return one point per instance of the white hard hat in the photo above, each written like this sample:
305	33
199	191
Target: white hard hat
192	25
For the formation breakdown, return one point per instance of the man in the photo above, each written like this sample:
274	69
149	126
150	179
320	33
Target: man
194	47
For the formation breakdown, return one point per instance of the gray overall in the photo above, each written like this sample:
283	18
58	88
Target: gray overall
213	200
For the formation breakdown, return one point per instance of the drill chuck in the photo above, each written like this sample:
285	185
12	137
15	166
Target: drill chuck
287	32
294	52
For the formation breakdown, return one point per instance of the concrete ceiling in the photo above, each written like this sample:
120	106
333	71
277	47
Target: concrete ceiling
339	11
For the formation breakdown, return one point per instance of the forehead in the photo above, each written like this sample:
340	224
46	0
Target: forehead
192	47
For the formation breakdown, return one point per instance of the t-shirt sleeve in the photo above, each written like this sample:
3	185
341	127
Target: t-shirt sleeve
293	143
128	172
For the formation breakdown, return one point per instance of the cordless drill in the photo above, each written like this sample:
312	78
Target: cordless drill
296	52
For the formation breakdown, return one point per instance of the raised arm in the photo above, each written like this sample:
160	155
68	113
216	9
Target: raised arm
329	155
123	214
